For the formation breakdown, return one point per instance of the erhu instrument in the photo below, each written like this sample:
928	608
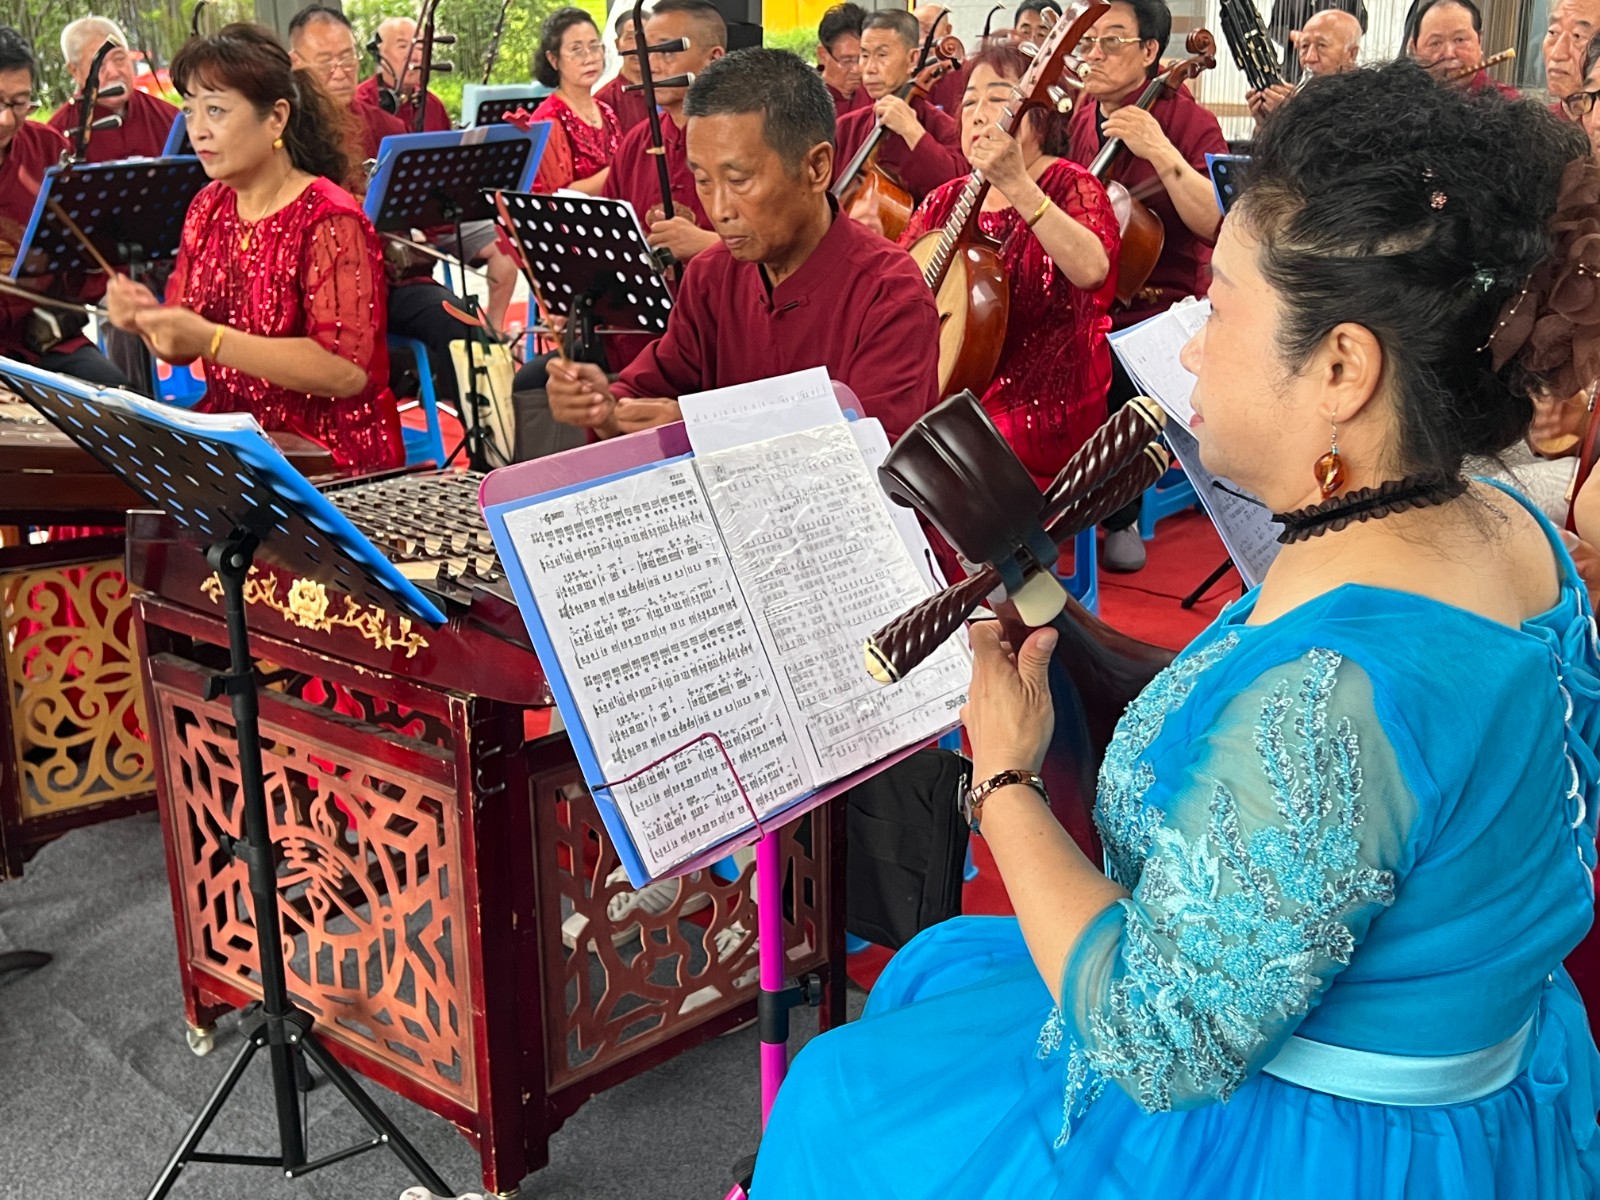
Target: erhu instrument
429	37
959	265
1142	234
865	191
956	469
494	43
91	95
648	84
1253	50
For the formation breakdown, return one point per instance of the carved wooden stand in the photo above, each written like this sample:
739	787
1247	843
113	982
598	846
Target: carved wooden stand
72	751
436	838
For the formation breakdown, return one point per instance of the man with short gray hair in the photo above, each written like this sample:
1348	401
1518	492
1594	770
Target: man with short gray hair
146	119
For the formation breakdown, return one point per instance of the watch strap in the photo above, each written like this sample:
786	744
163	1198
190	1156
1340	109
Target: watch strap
972	801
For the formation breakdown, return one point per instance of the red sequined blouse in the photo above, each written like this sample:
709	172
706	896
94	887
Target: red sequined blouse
1049	389
311	269
588	150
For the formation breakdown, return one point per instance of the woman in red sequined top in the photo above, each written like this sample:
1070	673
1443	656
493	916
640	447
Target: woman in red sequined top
585	135
279	284
1059	243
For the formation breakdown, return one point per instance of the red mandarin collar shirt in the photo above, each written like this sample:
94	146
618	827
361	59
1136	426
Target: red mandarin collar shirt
633	173
34	150
856	306
844	105
375	126
435	120
629	106
146	122
1184	266
937	158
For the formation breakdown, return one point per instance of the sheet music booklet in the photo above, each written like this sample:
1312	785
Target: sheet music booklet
727	591
1149	351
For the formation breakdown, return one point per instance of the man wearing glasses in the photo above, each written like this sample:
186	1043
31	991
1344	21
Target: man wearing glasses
1572	26
839	57
146	120
1164	165
51	338
322	42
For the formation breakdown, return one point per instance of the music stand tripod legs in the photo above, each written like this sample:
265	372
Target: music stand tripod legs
284	1030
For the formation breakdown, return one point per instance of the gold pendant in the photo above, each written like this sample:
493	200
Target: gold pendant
244	240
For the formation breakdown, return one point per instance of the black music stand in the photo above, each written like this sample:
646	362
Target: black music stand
495	111
587	260
132	212
426	180
237	497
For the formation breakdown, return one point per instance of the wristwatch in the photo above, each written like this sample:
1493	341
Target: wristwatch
972	799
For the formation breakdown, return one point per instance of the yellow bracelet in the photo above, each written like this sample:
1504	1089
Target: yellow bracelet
1040	211
216	344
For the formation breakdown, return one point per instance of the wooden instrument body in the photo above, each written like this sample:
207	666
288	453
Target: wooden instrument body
878	201
974	303
1143	239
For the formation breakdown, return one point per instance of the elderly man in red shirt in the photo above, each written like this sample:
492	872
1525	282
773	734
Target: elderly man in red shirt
1448	42
41	335
628	104
792	284
1164	164
839	57
146	120
922	148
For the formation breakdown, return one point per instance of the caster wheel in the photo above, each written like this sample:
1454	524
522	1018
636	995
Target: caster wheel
201	1041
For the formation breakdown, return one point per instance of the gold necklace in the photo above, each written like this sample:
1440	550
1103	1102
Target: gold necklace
249	226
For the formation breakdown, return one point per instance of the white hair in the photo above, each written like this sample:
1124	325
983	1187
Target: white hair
79	35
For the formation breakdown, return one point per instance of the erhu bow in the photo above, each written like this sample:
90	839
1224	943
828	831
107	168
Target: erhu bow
91	95
1142	234
964	273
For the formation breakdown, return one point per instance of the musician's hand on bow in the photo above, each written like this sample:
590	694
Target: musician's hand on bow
681	237
899	117
125	300
997	154
176	334
1139	132
634	415
580	395
1008	714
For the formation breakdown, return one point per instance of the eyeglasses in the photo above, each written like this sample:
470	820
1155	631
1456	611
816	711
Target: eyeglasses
847	61
1580	104
20	109
346	62
1109	45
591	50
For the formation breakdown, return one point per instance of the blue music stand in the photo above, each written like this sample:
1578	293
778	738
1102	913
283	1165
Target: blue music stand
427	179
177	139
239	499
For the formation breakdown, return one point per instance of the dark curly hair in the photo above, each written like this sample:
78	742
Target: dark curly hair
555	28
1384	199
249	59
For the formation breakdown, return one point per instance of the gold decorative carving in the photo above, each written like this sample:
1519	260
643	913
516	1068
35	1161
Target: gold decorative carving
77	710
307	605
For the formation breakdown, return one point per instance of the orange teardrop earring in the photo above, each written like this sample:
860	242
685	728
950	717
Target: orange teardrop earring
1330	468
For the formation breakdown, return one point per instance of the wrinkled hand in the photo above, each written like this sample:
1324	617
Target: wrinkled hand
1139	131
1556	430
997	154
125	300
175	333
634	415
680	236
899	117
581	395
1008	714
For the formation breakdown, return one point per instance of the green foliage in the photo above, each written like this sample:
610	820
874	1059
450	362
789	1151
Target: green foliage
801	41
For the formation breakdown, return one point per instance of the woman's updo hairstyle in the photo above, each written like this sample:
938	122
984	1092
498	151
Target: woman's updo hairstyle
550	39
249	59
1384	199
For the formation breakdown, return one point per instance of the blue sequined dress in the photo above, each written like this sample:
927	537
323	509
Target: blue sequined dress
1359	841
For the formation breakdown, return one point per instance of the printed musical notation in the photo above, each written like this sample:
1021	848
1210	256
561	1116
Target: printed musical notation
654	638
822	566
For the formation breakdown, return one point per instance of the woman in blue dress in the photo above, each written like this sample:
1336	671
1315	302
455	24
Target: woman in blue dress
1350	831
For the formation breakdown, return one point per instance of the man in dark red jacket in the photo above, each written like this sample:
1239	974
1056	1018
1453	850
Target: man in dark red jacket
1164	164
791	283
146	120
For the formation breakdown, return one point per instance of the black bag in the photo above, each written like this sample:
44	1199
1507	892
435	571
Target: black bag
907	848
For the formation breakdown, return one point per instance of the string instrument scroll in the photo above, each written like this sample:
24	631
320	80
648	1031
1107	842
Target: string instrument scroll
962	267
865	191
1142	234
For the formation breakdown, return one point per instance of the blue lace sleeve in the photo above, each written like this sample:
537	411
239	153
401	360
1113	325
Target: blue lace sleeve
1260	863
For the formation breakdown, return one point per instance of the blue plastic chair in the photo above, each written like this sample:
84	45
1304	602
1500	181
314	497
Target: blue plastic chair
1084	582
422	445
181	387
1170	494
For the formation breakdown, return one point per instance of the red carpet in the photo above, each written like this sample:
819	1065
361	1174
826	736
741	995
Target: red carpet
1143	605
